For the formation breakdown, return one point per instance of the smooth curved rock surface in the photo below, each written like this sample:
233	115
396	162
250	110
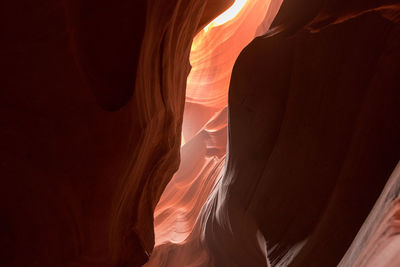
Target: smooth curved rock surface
92	99
313	126
204	133
377	242
213	54
324	100
91	110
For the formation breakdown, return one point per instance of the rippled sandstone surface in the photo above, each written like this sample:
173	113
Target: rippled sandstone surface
313	123
92	102
91	110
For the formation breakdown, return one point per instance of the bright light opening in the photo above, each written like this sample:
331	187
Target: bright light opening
229	14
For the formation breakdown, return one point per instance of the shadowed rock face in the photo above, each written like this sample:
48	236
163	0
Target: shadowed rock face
313	126
62	151
313	117
324	99
90	125
92	101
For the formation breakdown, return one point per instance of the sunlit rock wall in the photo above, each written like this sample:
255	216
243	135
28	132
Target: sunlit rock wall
377	242
214	51
204	136
313	126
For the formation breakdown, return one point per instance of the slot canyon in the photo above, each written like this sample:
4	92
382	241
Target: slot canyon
216	133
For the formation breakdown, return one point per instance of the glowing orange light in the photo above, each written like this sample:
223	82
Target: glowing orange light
204	130
229	14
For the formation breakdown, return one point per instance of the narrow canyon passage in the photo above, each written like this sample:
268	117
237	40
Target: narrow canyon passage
217	213
204	135
200	133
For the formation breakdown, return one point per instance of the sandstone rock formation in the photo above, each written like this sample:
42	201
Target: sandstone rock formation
327	120
92	101
313	123
93	96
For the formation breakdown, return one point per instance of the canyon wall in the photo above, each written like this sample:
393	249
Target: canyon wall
322	92
377	242
91	110
92	102
313	126
204	134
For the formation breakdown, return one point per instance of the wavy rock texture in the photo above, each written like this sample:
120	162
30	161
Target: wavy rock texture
213	54
92	98
204	132
92	103
327	124
313	116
